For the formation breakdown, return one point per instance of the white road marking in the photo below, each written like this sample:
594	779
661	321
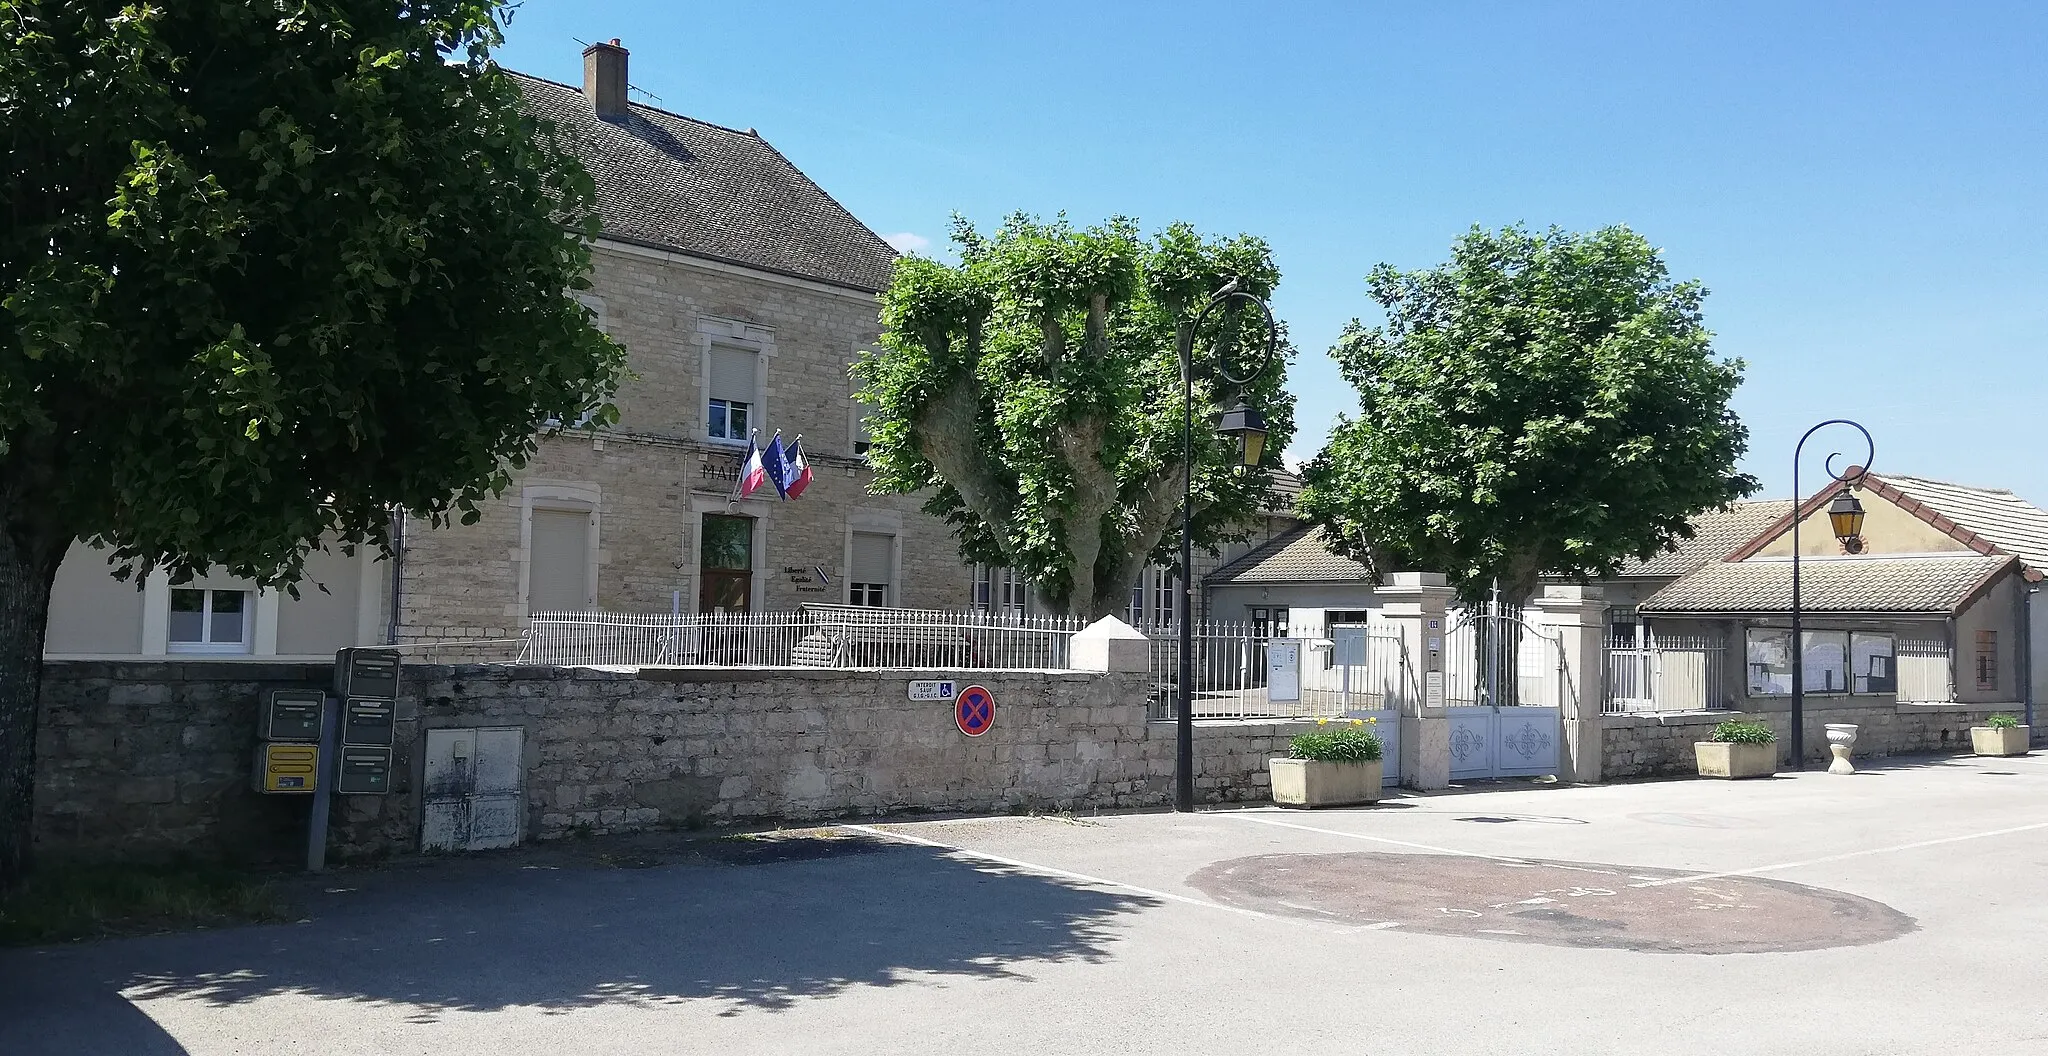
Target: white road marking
1251	817
1782	866
1018	863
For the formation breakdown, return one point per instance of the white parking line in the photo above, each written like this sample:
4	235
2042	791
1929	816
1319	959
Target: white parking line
1781	866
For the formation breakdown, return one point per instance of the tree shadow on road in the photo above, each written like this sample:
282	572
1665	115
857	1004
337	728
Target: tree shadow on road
748	937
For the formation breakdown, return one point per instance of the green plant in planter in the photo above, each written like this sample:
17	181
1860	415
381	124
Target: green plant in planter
1352	741
2002	722
1738	731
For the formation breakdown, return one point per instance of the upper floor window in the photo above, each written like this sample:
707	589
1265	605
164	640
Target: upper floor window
732	393
209	621
1152	598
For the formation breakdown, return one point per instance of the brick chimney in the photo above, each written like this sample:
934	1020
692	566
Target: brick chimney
604	78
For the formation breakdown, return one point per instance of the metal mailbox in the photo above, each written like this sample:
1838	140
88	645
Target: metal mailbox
364	772
291	715
287	768
366	673
366	723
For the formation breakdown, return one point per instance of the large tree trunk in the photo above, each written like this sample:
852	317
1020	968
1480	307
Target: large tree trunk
27	570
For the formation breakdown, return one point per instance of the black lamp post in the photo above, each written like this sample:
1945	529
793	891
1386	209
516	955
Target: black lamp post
1845	518
1248	428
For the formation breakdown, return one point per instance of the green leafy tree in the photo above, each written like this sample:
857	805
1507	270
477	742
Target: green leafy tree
1035	391
268	272
1543	404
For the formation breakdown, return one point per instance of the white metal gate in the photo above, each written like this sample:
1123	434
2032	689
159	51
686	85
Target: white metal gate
1504	684
474	798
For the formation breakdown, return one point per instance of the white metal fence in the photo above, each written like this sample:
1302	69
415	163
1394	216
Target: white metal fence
1362	672
1665	674
1923	670
1366	671
815	636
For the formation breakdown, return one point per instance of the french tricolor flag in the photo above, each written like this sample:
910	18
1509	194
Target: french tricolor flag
753	472
796	470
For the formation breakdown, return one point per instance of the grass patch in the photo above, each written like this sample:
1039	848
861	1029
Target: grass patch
67	903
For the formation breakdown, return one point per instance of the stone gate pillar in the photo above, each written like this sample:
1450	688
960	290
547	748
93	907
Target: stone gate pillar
1413	603
1577	616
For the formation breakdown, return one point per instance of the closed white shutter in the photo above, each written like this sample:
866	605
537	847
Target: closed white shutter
732	375
874	558
558	579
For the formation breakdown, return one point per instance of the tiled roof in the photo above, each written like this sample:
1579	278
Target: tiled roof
1715	534
1300	555
1874	584
1285	492
698	188
1998	516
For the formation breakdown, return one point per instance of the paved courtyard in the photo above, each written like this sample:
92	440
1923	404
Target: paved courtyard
1903	910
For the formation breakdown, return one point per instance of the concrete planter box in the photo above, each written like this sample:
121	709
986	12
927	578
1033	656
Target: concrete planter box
1990	740
1731	760
1307	783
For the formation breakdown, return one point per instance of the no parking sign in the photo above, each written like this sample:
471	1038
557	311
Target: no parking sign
974	710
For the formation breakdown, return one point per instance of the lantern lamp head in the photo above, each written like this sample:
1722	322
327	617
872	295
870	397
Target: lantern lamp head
1845	516
1248	428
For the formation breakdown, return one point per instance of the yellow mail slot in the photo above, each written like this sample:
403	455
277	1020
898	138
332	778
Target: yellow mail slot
287	767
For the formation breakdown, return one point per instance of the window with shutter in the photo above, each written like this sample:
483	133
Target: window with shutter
558	573
873	570
730	413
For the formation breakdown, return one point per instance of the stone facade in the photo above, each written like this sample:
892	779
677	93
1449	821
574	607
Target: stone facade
1661	745
648	481
154	759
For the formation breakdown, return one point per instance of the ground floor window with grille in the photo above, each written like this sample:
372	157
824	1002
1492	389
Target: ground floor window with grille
1269	621
1987	661
725	564
872	570
1152	598
209	621
999	589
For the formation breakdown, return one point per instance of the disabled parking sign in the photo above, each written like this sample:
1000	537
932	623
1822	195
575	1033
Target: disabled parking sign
974	710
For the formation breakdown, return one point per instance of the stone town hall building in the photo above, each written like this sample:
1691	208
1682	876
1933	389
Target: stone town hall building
741	292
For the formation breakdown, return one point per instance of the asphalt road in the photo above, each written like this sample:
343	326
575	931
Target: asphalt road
1904	910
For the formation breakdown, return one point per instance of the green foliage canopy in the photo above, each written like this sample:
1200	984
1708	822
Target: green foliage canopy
1543	404
267	271
270	270
1035	389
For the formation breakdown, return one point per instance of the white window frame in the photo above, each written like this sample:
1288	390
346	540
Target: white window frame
714	331
999	590
245	644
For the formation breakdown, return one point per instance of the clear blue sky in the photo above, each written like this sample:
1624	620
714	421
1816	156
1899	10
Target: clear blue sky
1862	187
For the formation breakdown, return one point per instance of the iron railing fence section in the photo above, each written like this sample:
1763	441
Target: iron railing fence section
1659	673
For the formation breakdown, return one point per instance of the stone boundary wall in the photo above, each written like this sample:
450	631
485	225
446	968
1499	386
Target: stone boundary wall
151	759
1661	745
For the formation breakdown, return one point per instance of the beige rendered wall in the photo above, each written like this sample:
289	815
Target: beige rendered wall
91	612
1887	529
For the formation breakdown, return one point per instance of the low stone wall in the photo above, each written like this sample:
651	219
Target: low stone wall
149	759
1659	745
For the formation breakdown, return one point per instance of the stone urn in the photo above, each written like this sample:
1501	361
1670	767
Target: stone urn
1841	740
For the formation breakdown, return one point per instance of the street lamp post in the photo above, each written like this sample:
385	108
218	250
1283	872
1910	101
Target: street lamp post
1248	427
1845	519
